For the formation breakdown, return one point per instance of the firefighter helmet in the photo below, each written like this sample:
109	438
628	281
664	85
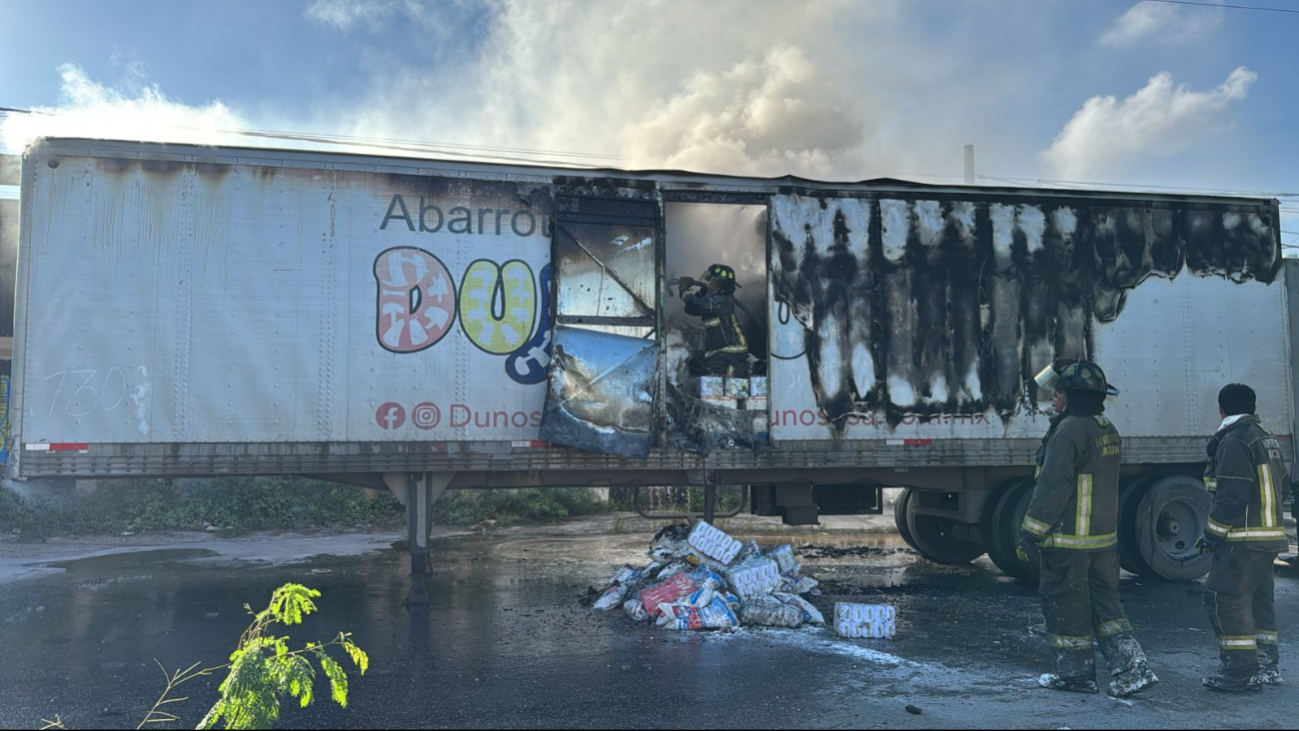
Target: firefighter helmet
1069	374
723	274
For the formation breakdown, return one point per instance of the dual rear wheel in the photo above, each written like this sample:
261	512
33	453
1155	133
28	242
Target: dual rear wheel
1160	520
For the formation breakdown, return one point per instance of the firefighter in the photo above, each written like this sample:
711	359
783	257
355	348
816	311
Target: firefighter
1246	475
726	352
1072	520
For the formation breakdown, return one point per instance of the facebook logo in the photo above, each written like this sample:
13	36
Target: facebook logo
391	416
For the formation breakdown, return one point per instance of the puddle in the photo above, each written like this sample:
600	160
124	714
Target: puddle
131	561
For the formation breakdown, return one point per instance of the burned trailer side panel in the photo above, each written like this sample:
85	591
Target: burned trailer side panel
970	298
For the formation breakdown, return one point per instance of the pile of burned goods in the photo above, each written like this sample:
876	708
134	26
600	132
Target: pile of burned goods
700	578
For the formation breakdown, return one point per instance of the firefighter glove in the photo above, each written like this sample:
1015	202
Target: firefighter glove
1207	544
1025	543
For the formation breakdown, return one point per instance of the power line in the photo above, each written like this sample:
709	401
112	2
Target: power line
511	155
1151	186
1198	3
484	152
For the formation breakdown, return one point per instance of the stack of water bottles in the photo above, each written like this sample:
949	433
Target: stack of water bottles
878	621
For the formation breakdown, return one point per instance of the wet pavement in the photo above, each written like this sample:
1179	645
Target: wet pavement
506	643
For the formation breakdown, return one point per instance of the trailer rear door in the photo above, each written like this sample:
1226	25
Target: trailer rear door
604	370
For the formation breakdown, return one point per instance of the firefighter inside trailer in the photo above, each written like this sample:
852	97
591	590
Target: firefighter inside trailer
712	297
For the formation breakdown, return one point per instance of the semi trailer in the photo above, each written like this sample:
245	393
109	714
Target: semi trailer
424	324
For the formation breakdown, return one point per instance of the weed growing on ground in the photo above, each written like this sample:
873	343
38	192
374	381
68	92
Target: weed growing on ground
263	670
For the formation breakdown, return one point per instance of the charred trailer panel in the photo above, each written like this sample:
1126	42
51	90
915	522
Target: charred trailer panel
927	317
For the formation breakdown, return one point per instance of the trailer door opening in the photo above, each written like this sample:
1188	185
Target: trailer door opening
717	400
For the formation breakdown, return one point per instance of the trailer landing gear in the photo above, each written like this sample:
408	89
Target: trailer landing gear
418	493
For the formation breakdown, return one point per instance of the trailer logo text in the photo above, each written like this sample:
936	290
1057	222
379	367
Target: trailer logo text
429	218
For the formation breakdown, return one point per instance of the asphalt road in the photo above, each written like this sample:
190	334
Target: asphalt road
506	643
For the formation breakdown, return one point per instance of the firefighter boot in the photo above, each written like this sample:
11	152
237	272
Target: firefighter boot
1270	676
1220	682
1130	674
1268	659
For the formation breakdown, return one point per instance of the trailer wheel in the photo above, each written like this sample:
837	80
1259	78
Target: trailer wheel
1169	521
1000	528
934	538
900	519
1130	496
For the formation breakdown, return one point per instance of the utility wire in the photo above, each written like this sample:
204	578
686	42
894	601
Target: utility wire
512	155
1198	3
1111	184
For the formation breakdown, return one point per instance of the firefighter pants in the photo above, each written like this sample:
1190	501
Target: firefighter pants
1080	598
1239	595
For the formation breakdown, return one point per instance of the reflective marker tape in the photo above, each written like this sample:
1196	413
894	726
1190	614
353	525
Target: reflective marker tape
57	447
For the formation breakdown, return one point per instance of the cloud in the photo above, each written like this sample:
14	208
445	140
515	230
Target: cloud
90	109
1161	119
344	14
1160	23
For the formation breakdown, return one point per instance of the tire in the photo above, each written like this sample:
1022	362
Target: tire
900	519
1169	520
998	529
1130	496
1030	572
934	540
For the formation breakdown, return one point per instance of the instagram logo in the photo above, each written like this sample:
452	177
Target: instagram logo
391	416
426	415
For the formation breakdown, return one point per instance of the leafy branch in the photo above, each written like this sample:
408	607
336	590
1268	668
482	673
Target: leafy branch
263	669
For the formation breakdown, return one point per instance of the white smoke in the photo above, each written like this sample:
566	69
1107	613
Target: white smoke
91	109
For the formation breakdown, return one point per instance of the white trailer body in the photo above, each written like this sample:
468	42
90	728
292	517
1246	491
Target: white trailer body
198	311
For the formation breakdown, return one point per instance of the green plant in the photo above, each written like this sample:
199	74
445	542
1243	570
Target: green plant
263	670
515	505
619	525
231	504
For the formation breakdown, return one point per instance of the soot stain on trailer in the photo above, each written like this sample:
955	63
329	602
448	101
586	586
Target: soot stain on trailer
928	308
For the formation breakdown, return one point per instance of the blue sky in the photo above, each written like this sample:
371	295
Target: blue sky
834	89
